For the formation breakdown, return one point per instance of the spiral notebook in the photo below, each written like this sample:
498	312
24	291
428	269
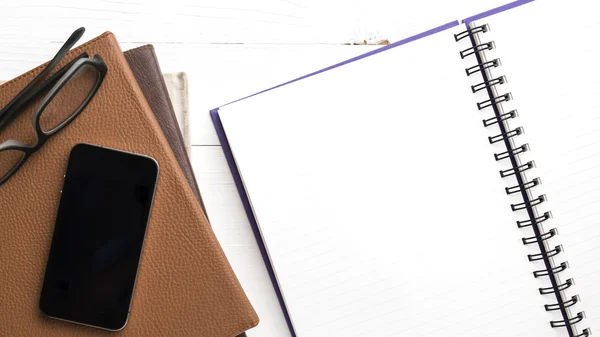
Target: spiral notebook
396	193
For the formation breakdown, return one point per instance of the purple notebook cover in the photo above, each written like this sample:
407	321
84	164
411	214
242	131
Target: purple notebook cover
233	166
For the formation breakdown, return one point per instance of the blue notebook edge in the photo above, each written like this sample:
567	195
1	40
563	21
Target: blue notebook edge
494	11
216	119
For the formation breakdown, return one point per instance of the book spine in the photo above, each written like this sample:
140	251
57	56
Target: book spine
531	203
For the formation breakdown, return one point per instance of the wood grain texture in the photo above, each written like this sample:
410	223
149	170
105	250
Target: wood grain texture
230	21
233	230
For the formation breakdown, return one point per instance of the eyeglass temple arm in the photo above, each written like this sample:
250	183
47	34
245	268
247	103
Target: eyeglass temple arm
8	112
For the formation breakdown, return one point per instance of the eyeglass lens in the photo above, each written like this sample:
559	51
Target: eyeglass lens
69	99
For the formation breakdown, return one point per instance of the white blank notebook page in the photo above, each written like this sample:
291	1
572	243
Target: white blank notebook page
551	64
380	203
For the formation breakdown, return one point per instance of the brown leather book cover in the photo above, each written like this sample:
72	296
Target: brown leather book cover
144	65
185	285
146	70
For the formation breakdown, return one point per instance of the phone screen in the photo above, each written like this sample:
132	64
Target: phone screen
98	236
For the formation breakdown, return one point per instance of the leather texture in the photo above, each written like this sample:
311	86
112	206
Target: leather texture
185	285
146	70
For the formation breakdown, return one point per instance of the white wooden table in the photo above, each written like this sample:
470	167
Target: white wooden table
229	49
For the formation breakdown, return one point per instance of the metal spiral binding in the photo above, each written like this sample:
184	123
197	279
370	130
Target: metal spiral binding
504	136
488	84
540	256
552	271
549	290
483	66
538	220
524	187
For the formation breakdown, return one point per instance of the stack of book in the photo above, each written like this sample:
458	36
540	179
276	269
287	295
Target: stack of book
185	285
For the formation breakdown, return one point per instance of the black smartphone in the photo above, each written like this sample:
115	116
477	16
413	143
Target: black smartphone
98	237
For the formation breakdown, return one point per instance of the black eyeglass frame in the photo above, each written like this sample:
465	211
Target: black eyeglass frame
13	108
43	136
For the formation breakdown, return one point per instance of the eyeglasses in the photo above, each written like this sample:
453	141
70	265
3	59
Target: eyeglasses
71	90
